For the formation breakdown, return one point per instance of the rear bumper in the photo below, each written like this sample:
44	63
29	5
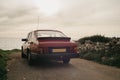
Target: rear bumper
56	56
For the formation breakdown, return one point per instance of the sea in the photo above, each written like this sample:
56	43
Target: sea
10	43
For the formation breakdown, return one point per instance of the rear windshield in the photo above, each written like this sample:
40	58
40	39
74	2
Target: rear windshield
50	34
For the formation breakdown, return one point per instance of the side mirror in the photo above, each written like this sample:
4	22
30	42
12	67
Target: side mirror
24	39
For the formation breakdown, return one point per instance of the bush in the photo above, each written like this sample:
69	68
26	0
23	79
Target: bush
93	56
113	60
95	38
108	52
3	62
3	59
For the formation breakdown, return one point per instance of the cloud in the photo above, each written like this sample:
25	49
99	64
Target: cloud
90	15
15	13
97	12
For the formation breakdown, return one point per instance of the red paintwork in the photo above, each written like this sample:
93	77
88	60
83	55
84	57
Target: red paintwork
56	44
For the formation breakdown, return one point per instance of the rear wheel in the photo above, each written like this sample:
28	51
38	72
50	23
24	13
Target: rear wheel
22	54
29	58
66	61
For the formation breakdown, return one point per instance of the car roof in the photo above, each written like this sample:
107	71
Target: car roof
47	30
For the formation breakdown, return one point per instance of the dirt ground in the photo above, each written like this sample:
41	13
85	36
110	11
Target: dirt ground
77	69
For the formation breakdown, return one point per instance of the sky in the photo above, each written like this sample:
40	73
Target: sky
76	18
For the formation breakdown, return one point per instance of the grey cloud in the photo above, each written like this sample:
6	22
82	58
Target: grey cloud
13	14
18	13
97	12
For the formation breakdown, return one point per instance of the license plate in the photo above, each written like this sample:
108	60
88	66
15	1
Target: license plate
58	50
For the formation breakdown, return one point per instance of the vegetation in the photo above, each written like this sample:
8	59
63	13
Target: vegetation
3	62
95	38
106	52
108	58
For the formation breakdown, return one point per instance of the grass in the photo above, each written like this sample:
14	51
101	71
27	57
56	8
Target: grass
3	62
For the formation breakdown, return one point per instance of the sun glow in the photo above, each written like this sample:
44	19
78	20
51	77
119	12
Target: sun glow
48	7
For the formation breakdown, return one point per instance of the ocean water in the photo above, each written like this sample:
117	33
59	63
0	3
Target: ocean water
10	43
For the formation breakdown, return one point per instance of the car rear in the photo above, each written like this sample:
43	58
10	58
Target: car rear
57	48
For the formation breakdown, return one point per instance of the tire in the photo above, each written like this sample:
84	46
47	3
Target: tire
66	61
22	54
29	58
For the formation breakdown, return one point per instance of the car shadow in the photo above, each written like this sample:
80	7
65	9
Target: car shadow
50	64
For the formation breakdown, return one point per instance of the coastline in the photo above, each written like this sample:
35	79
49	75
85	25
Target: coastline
10	43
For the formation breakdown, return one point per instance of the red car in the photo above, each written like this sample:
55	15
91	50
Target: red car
48	44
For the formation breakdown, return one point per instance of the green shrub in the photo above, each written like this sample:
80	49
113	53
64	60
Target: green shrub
3	62
114	60
3	59
93	56
95	38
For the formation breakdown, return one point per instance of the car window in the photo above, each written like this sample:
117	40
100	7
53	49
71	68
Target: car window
33	38
29	36
50	34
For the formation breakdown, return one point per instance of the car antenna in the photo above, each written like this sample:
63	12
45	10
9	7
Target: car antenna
38	23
